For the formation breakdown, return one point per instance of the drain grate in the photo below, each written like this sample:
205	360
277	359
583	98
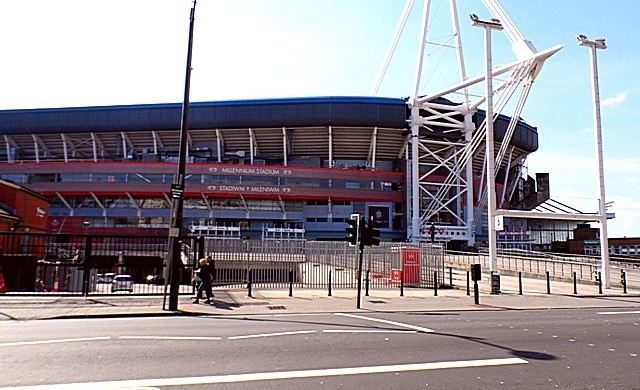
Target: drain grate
276	307
377	301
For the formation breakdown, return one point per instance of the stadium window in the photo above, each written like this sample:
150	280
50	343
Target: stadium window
318	203
352	185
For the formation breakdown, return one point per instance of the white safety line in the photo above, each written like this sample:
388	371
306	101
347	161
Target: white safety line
53	341
263	376
618	312
119	319
367	331
169	338
251	336
400	324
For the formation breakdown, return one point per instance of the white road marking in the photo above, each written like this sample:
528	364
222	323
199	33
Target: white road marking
119	319
53	341
604	313
367	331
400	324
251	336
263	376
169	338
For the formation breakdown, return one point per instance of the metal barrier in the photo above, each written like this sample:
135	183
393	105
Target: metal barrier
87	264
34	263
532	263
311	262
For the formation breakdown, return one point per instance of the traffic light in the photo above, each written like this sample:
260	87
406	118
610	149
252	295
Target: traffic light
352	231
370	236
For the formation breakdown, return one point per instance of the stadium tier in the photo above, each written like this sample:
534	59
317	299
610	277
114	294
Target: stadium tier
295	168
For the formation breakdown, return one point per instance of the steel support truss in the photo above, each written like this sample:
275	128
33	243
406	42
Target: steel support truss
447	152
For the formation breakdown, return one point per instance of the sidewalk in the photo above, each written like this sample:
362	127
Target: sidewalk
263	302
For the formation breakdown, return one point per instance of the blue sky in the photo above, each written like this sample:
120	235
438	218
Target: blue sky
101	52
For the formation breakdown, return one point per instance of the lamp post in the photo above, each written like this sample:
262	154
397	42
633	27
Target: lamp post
598	43
493	24
174	261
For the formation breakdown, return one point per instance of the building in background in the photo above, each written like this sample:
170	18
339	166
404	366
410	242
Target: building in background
256	168
22	210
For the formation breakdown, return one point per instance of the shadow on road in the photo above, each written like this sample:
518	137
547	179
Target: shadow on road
530	355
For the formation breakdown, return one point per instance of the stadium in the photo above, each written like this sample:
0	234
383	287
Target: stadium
428	167
294	168
266	180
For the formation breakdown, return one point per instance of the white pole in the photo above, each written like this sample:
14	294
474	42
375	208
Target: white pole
494	24
491	160
415	176
604	240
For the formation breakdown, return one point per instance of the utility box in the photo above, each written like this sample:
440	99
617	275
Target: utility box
476	272
495	283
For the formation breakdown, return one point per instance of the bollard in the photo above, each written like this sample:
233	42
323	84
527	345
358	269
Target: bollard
366	285
249	284
290	282
575	282
402	283
519	283
468	286
476	293
451	276
599	282
548	283
624	281
435	283
329	282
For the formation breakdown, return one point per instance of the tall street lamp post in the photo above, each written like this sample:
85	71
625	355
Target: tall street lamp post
174	260
598	43
493	24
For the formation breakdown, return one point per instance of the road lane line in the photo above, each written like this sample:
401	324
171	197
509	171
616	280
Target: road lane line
53	341
251	336
169	338
367	331
618	312
278	375
400	324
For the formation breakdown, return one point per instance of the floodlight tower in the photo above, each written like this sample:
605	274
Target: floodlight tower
599	43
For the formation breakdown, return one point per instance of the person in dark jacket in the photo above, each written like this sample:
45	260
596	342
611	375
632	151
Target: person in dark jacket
204	273
212	270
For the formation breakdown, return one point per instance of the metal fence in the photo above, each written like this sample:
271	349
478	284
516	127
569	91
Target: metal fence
318	264
88	264
560	266
84	264
533	263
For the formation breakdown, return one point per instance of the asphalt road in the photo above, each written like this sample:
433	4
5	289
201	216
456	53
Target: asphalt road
530	349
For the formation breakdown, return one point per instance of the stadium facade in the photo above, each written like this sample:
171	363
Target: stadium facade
295	168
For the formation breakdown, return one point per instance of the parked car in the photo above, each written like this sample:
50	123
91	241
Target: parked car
122	283
108	277
155	279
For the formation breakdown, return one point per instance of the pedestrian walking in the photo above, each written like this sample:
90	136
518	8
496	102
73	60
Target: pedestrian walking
204	273
212	270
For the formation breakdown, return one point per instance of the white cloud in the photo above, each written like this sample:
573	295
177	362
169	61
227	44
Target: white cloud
612	101
627	212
